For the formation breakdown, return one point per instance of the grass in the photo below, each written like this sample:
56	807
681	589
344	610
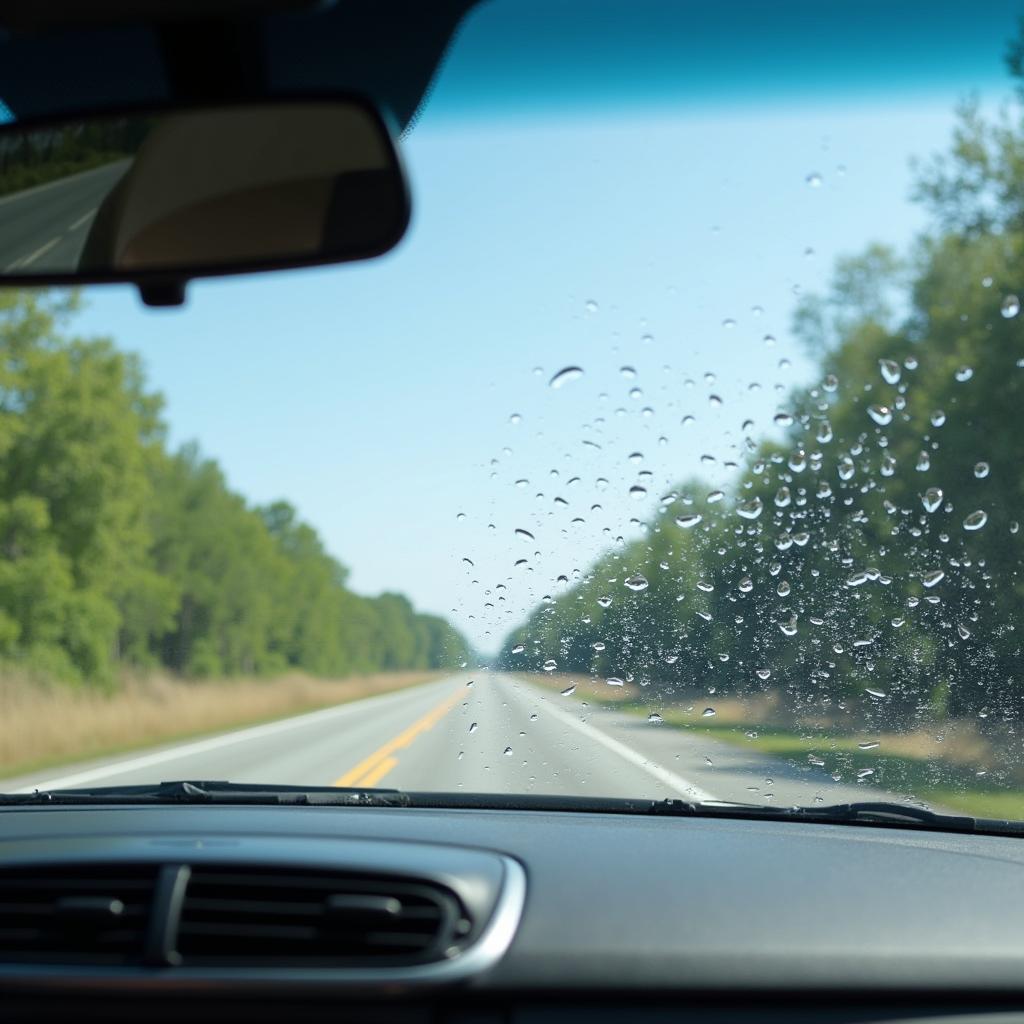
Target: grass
19	177
43	726
915	763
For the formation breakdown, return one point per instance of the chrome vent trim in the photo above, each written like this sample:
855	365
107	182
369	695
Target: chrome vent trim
160	968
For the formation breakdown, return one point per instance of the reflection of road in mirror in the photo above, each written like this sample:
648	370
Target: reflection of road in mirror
44	228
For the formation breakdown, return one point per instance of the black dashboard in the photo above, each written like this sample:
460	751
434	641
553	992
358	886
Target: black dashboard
599	916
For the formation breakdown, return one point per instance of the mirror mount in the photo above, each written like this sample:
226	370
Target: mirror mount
162	294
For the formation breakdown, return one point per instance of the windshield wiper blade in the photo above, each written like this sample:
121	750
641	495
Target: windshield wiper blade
884	811
185	791
863	812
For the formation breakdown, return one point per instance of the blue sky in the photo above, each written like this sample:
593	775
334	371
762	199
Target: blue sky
381	398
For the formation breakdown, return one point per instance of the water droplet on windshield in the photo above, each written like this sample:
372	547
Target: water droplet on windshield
881	414
783	588
938	418
789	627
714	496
963	374
831	382
813	179
976	520
637	492
1010	307
783	419
708	713
746	585
628	372
891	371
473	727
846	468
877	694
924	462
591	306
981	470
525	534
782	497
931	579
614	681
565	376
604	602
763	673
550	665
932	498
688	521
636	582
750	509
870	745
569	690
519	648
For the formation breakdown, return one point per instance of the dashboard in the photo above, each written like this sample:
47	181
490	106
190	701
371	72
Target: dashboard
599	916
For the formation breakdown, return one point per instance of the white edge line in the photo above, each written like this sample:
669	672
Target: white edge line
81	220
212	743
682	786
44	248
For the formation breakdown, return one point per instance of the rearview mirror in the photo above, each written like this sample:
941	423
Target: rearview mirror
159	196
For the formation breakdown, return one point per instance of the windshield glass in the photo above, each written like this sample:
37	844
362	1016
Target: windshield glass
674	451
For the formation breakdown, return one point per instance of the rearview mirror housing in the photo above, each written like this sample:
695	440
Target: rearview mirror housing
158	196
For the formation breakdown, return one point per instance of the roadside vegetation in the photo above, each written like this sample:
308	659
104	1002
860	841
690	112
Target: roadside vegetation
120	555
49	154
50	724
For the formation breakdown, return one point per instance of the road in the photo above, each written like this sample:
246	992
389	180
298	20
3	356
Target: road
45	227
495	734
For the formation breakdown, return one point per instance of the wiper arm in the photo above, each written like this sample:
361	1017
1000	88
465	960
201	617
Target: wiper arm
189	792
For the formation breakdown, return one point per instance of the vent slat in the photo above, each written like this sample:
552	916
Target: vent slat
255	916
50	915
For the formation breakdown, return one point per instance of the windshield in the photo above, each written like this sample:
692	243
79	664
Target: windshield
673	453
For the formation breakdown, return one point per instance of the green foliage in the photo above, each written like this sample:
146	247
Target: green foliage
115	551
824	597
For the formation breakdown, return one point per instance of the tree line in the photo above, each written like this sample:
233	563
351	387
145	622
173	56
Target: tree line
869	553
116	552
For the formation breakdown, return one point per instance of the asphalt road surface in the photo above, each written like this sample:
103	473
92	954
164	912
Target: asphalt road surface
45	227
498	734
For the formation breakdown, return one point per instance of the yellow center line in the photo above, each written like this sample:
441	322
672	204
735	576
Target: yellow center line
371	770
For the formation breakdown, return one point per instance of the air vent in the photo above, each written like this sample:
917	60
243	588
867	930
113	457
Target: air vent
256	917
75	915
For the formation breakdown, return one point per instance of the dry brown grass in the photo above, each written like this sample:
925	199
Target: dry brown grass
955	741
44	725
730	710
